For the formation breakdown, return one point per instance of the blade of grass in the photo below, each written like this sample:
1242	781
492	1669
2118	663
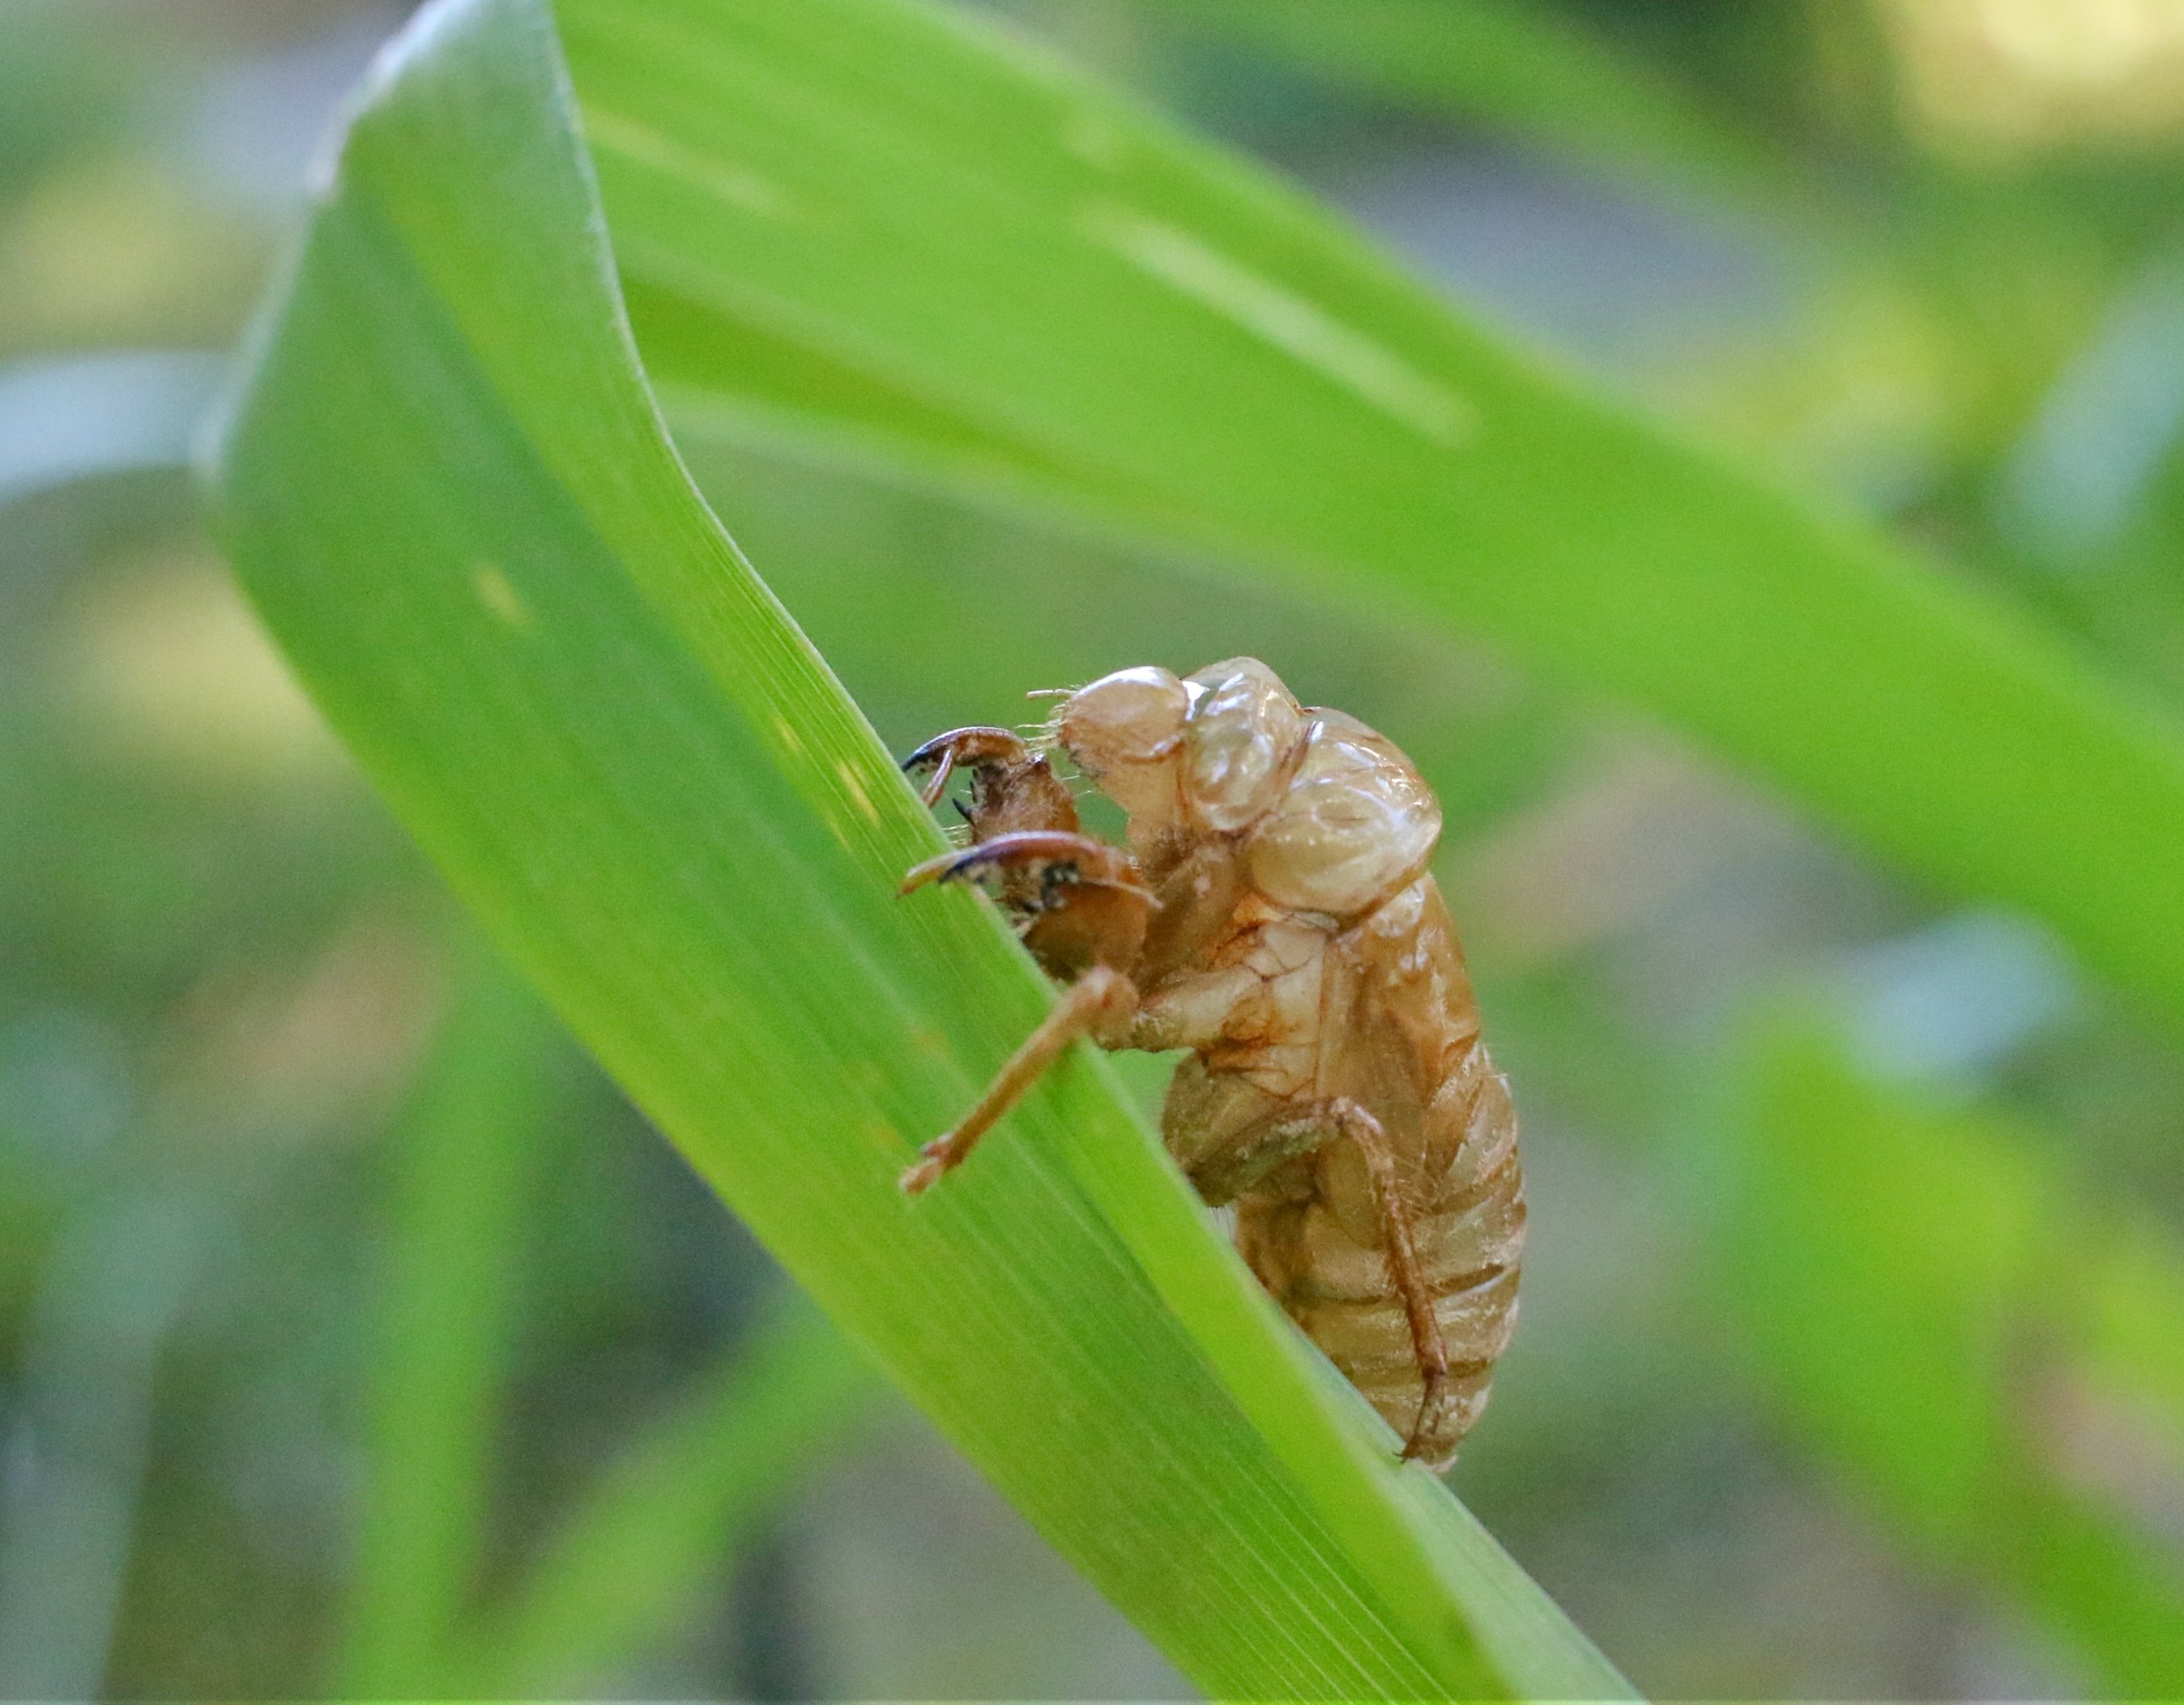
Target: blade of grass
1524	68
888	577
447	491
882	225
2137	1323
1934	1309
633	1558
457	1216
81	1431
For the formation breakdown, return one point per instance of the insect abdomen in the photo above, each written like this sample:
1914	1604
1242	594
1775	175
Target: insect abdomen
1316	1238
1336	1285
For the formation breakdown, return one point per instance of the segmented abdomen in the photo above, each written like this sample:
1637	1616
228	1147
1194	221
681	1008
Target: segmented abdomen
1327	1266
1403	1042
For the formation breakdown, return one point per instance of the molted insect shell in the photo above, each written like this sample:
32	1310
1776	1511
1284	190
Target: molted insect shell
1357	825
1246	735
1272	915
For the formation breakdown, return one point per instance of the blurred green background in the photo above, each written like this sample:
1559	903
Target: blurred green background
349	1320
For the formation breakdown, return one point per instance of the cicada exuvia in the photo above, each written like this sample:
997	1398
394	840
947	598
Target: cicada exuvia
1271	910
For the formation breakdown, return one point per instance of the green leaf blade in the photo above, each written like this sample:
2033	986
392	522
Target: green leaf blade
1925	1298
449	493
1134	324
673	1508
460	1197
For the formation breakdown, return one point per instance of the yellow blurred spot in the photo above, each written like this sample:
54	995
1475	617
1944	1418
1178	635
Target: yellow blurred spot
118	251
2012	76
1642	830
173	666
499	598
856	789
261	1051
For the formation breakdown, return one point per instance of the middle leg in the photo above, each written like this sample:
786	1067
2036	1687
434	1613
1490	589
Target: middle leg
1404	1269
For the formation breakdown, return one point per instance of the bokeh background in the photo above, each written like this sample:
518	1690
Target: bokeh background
295	1192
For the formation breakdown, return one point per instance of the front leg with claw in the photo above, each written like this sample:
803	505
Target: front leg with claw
1077	901
1013	785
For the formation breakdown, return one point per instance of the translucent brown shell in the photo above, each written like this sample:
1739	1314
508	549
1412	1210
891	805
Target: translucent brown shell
1272	912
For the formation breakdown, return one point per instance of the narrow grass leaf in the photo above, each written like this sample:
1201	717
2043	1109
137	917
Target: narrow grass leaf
447	491
440	1372
632	1559
1935	1310
882	225
1524	68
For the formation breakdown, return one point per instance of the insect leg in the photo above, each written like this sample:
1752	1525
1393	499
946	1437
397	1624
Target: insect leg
1013	786
973	748
1192	1012
1228	1135
1234	1156
1404	1266
1076	901
1032	850
1097	1004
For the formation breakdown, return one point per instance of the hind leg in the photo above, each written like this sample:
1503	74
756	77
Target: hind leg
1406	1271
1230	1136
